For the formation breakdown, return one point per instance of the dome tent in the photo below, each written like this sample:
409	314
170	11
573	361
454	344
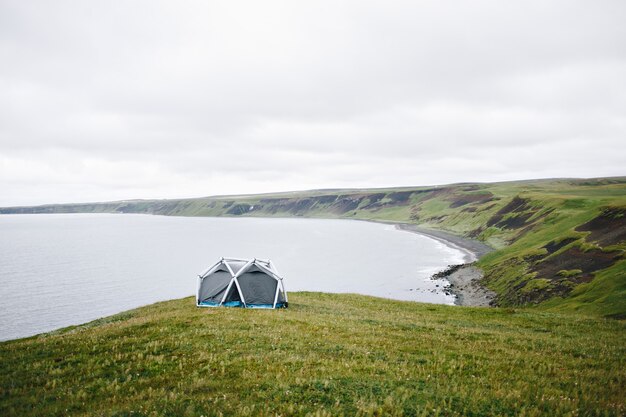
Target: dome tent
241	283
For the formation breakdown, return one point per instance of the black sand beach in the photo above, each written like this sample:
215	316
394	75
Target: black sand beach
464	279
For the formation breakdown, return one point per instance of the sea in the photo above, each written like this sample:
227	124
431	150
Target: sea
58	270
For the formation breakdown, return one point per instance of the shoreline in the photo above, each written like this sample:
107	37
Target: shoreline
474	249
463	279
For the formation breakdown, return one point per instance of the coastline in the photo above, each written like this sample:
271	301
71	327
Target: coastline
463	279
463	282
473	249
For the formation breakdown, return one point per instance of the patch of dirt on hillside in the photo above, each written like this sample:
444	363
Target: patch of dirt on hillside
346	203
574	265
400	196
274	205
516	205
528	226
239	209
515	222
557	289
464	199
300	206
374	200
575	258
518	214
554	246
533	258
609	228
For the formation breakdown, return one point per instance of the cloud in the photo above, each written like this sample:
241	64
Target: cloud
166	99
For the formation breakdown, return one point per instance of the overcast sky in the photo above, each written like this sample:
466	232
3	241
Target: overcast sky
107	100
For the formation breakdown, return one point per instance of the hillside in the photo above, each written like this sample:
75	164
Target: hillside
560	244
328	354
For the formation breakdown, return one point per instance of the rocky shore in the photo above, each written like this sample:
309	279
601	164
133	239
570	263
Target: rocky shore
465	278
465	284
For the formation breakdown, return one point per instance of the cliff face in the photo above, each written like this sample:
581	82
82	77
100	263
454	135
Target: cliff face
559	243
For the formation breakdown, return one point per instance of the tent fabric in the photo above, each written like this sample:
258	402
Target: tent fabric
241	283
213	290
258	287
236	265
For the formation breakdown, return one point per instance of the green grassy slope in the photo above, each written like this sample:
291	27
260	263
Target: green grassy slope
560	244
328	354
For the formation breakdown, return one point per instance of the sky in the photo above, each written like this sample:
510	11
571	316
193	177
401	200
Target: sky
112	100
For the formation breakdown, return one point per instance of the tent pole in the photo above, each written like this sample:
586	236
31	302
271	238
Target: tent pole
243	269
276	295
273	267
269	272
284	292
232	274
240	292
210	269
198	290
230	284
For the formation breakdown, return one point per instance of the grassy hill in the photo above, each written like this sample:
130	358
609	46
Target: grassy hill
328	354
560	244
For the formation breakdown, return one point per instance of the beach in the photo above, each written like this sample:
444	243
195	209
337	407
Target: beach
464	279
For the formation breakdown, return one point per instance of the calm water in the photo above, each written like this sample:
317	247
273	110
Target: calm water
62	269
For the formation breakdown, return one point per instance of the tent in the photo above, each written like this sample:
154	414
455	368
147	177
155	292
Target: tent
241	283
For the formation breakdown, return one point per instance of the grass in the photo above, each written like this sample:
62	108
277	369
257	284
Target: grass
328	354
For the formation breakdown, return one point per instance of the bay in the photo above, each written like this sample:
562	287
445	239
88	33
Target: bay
58	270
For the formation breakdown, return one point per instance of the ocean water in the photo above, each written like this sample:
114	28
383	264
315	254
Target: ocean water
58	270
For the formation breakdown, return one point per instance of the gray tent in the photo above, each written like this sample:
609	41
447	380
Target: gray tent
241	283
